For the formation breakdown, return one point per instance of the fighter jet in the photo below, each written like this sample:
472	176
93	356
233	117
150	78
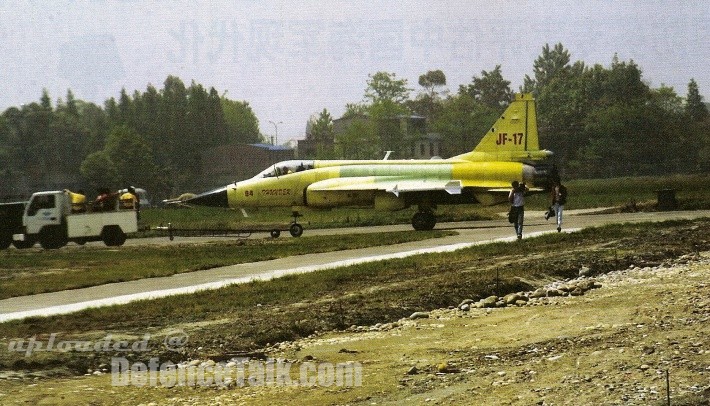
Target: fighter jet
508	152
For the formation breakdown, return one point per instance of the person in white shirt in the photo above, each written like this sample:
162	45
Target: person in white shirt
517	206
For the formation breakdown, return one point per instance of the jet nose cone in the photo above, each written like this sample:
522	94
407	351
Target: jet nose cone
213	198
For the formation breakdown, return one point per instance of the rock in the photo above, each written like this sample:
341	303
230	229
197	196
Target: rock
586	284
538	293
490	301
413	371
419	315
445	368
555	293
465	307
511	298
466	302
585	271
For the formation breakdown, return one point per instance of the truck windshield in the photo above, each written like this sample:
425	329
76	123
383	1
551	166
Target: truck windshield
41	202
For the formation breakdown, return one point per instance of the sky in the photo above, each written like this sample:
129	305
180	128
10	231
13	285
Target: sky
292	59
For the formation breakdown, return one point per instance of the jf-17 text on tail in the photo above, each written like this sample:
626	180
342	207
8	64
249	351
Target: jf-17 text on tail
508	152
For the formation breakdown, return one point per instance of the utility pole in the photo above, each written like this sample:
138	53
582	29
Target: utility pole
275	140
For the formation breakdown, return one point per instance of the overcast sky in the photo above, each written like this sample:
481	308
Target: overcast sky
292	59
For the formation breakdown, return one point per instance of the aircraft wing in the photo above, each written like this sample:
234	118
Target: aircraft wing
393	185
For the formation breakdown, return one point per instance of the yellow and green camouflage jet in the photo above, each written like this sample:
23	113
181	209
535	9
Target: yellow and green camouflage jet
508	152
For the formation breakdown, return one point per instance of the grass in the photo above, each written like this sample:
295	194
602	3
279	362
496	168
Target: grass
26	272
243	318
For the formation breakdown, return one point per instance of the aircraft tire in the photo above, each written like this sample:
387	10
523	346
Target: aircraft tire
296	230
275	233
423	221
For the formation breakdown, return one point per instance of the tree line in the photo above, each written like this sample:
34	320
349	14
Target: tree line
600	121
151	139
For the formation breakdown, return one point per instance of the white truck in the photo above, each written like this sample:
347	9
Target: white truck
50	219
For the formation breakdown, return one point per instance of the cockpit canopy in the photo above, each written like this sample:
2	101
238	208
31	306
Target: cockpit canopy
285	168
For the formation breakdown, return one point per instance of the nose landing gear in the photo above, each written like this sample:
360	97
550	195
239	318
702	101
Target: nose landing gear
296	229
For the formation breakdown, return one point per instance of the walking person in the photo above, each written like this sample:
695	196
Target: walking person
558	195
517	206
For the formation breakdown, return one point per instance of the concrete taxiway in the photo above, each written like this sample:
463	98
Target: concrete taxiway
469	233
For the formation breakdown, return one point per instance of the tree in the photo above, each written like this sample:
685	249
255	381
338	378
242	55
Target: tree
359	141
490	89
99	171
432	80
320	131
131	156
428	102
386	95
548	65
355	110
461	122
694	106
665	98
623	84
385	87
242	124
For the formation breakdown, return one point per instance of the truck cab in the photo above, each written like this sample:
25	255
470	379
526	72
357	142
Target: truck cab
46	209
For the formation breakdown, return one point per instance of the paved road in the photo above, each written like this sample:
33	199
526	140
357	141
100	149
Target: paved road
470	233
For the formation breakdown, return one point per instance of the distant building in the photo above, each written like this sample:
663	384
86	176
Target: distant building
417	142
232	162
427	146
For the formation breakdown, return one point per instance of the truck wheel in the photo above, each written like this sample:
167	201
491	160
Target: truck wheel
52	237
21	245
5	241
113	236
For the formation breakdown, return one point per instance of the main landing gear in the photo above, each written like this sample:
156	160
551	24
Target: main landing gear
424	219
296	229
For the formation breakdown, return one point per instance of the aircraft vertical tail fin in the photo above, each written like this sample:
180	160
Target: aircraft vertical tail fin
514	135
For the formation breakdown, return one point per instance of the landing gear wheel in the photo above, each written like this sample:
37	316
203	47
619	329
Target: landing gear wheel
423	221
275	233
296	230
